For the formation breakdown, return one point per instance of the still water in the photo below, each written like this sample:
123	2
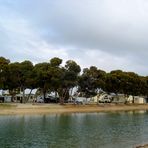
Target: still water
78	130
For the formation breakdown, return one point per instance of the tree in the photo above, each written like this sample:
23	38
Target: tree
14	79
20	77
69	79
55	62
57	74
91	80
51	76
113	81
4	63
128	83
43	77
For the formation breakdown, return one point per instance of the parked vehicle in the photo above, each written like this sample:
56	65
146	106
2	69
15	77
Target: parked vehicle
2	99
51	99
70	100
105	100
40	100
82	100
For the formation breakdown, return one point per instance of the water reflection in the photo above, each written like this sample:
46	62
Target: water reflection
103	130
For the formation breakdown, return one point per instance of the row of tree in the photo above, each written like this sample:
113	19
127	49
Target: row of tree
52	76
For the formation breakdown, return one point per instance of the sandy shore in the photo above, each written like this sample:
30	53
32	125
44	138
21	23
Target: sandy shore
11	109
143	146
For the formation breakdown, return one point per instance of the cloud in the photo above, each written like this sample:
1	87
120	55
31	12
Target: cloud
19	39
108	34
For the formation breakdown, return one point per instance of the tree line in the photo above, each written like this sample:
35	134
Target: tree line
52	76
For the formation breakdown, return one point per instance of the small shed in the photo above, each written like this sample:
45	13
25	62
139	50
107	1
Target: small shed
7	98
119	98
139	100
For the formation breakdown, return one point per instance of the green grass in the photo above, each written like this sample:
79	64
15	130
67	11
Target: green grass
6	106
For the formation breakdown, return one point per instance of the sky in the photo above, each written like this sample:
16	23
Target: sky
109	34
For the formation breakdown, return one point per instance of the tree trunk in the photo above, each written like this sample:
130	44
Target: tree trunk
12	93
23	99
56	96
62	97
71	91
133	100
98	96
28	96
44	96
12	98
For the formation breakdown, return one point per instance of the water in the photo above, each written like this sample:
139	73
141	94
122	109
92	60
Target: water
79	130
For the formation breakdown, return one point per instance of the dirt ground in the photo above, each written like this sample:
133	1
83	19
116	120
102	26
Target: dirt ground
143	146
41	108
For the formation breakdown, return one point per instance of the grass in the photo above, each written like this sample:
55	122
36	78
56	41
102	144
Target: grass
6	106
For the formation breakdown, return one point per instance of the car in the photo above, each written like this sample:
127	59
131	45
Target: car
40	100
70	100
51	99
80	100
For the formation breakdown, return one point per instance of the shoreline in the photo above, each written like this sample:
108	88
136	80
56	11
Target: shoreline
143	146
29	109
50	109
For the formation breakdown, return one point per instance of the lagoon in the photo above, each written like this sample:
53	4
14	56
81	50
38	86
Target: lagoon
76	130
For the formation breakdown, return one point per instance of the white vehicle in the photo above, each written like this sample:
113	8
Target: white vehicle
40	99
80	100
105	100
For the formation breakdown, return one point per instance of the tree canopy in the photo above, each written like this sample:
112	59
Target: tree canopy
53	76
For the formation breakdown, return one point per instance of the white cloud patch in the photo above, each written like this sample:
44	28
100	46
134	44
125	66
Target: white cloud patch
20	41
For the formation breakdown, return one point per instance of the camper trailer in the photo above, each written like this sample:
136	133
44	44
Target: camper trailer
139	100
102	98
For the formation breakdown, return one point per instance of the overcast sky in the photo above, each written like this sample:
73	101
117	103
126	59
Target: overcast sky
109	34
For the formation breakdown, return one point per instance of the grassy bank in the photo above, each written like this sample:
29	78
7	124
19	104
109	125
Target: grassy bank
7	106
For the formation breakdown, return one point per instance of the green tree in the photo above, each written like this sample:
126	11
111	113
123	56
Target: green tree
91	80
43	77
20	77
4	72
69	79
49	76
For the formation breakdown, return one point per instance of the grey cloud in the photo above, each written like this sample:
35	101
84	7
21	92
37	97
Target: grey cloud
104	25
114	30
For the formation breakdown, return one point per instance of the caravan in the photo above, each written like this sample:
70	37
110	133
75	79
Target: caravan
102	98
